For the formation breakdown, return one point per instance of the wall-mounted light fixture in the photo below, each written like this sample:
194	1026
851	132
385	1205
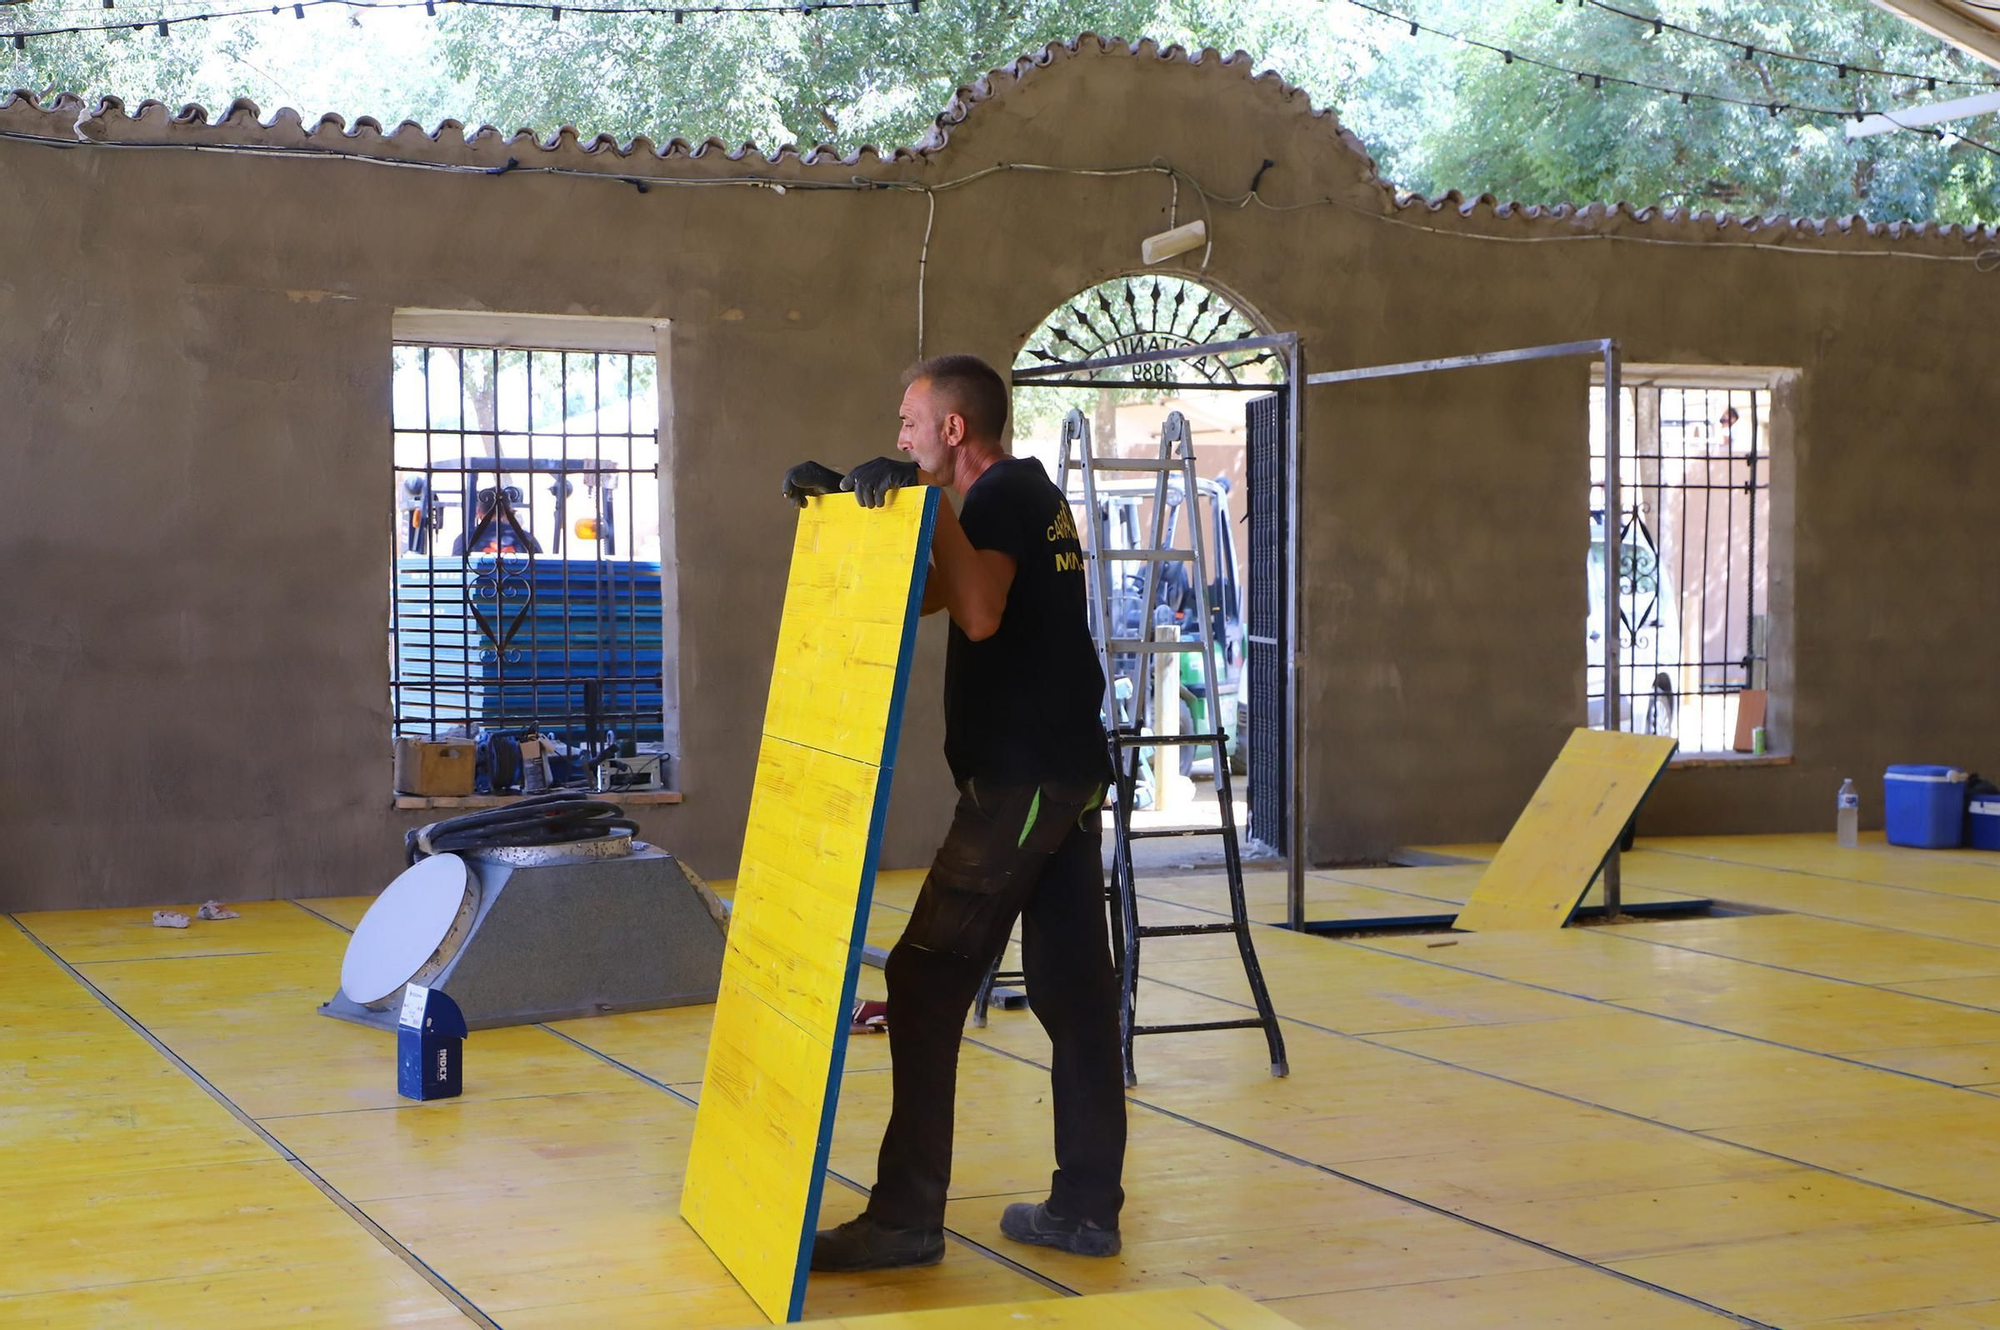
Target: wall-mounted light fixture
1159	248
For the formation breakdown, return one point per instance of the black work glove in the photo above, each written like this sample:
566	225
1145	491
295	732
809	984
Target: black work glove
810	478
873	479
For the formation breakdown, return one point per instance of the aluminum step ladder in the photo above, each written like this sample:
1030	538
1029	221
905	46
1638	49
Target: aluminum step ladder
1173	477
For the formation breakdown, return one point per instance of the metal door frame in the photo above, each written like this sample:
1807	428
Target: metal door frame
1292	355
1296	381
1604	347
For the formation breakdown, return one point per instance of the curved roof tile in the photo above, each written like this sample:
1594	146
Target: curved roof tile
241	125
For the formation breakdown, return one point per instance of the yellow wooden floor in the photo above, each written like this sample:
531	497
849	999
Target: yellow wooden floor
1786	1118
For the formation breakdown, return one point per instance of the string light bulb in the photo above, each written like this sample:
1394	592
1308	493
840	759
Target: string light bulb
1657	23
299	7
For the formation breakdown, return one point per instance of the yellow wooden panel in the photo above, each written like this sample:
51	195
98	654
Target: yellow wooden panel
801	895
84	936
1683	1075
321	1295
1963	1316
1796	1280
808	842
546	1195
131	1197
841	657
1624	1225
1975	992
1205	1307
756	1155
1829	947
1574	1298
201	1008
1555	850
1974	873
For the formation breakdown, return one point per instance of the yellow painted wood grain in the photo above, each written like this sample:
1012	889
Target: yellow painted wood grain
1205	1307
839	662
1557	846
801	894
129	1196
1782	1182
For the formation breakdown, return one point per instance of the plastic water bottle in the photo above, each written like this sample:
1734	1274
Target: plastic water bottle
1847	815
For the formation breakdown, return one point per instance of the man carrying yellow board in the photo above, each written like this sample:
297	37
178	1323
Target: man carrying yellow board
1026	747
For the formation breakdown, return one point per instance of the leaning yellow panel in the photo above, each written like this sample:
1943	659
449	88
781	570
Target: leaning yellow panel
1555	850
775	1053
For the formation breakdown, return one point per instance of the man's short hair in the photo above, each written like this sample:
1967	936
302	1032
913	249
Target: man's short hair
969	386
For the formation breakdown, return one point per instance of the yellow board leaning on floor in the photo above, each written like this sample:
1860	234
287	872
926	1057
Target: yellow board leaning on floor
802	892
1555	850
1202	1307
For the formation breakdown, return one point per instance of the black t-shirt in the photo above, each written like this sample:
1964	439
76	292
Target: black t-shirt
1024	705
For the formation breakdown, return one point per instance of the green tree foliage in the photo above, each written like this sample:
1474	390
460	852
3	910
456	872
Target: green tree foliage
848	78
1439	116
1442	116
101	63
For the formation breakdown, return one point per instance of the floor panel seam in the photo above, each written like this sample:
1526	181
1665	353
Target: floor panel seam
1971	1214
1609	1003
668	1088
1829	877
1809	974
374	1229
1392	1193
1617	1112
989	1253
1613	1005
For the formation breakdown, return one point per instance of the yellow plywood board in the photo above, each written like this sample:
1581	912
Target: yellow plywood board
844	639
131	1197
1555	850
802	892
1203	1307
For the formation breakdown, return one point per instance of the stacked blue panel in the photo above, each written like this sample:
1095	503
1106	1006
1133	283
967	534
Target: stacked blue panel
585	620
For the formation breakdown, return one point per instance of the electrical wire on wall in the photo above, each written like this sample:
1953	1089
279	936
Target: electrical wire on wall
1985	261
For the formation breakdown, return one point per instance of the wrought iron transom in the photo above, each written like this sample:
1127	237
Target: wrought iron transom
1151	312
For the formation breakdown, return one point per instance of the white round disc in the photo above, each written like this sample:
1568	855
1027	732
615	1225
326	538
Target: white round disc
404	928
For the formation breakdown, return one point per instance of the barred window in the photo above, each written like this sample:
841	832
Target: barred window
527	592
1694	618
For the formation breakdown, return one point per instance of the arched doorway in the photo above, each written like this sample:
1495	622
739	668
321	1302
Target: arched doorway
1220	371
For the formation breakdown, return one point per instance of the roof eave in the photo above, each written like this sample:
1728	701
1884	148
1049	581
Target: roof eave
1975	33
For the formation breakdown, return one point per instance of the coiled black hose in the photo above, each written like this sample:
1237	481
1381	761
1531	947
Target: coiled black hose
550	819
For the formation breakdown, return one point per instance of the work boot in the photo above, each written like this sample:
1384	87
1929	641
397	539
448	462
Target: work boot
1045	1228
864	1243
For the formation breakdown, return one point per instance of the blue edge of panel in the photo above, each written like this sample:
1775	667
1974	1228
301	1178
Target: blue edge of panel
858	932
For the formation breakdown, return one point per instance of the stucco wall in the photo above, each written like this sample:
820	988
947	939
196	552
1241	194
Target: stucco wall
194	397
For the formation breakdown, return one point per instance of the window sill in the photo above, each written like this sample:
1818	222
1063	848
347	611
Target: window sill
417	802
1699	760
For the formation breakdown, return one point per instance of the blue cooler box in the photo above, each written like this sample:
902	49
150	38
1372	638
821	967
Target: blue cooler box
1924	807
1982	822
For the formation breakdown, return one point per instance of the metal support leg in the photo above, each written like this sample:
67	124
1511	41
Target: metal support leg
1239	911
1125	910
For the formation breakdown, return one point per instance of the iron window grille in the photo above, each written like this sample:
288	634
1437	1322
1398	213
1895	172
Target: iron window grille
527	590
1693	616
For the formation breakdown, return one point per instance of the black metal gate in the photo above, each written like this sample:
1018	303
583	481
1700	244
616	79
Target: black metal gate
1264	629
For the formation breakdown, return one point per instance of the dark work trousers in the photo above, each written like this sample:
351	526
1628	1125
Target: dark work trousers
1033	853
